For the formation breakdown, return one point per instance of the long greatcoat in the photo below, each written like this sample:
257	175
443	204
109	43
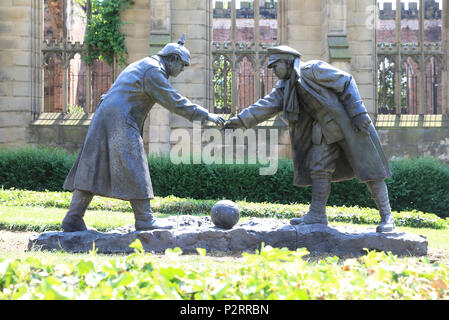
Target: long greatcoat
337	93
113	162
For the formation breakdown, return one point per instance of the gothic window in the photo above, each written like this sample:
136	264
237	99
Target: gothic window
241	33
222	84
69	83
410	56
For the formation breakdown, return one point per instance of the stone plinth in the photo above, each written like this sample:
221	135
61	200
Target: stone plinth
192	232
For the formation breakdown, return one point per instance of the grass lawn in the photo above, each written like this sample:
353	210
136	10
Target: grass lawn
49	219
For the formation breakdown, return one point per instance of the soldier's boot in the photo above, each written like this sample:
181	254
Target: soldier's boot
73	220
317	210
379	192
144	219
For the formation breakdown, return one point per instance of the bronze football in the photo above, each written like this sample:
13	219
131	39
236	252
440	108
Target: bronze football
225	214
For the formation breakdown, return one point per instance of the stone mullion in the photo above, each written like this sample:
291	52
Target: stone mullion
444	79
234	107
65	59
41	56
36	87
209	58
282	21
33	63
384	91
88	104
257	65
398	64
422	64
40	61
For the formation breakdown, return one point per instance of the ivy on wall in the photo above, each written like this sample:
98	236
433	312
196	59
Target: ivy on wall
104	39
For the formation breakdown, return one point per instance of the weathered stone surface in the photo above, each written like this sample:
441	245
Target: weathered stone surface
342	241
192	232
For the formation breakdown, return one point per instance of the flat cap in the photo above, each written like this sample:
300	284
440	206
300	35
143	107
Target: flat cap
282	53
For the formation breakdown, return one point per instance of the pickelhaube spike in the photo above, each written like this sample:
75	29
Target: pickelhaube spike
181	40
177	48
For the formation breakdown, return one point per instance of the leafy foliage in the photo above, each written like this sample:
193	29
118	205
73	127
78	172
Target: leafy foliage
386	86
75	109
104	39
271	273
222	83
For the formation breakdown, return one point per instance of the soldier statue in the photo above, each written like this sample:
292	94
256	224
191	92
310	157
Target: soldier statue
112	162
332	136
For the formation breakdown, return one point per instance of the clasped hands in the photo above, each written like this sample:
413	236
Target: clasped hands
360	123
215	118
219	121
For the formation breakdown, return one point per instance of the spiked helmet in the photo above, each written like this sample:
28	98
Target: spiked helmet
177	48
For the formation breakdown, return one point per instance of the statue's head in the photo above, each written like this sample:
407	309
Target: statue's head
282	60
176	57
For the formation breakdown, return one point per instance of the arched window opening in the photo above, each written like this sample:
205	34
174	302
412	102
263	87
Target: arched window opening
242	31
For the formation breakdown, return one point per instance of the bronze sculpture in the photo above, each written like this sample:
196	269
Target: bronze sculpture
112	161
332	135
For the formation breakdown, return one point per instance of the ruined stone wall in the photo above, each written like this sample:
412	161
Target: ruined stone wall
137	39
414	136
304	27
68	131
307	25
361	39
193	83
19	66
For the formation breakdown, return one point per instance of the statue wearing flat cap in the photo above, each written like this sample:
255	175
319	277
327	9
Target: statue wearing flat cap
332	136
112	161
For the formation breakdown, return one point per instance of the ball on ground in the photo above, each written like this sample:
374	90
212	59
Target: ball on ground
225	214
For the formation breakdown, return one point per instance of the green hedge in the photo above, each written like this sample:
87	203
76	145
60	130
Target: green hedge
34	169
417	184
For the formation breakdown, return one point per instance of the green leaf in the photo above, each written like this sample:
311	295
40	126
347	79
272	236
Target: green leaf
123	279
50	287
171	273
85	267
137	246
201	251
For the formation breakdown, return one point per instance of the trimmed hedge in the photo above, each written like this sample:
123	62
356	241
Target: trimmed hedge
417	184
34	169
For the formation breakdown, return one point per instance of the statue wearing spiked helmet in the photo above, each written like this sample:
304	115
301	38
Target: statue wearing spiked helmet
113	161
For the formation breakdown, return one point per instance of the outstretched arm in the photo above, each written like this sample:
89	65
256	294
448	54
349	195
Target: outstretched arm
258	112
158	87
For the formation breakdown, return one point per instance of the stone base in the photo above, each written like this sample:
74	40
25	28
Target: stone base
192	232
